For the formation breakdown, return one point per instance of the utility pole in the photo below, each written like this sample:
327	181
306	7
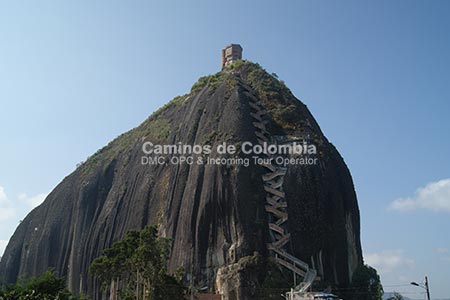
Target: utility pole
427	288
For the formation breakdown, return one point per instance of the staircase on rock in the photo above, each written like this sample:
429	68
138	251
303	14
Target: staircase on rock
276	205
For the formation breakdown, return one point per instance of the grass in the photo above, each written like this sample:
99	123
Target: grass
156	127
277	99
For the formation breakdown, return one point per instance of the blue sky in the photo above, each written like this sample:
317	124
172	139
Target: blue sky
376	76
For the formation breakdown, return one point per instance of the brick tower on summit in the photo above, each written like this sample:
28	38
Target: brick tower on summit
231	53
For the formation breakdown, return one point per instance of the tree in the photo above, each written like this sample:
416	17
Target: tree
151	258
45	287
137	266
116	264
396	296
366	284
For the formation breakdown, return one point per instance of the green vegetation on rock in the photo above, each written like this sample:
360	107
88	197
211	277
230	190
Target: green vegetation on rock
214	81
178	100
156	127
159	129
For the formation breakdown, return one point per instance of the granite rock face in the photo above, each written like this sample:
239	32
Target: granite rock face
214	214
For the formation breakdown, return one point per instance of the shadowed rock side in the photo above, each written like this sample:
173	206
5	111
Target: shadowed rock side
214	214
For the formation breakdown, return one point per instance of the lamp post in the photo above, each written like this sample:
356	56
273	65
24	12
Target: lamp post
425	287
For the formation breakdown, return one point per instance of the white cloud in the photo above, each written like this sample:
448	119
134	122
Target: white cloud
10	211
7	213
442	250
3	197
7	210
444	254
434	196
388	261
3	244
33	201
